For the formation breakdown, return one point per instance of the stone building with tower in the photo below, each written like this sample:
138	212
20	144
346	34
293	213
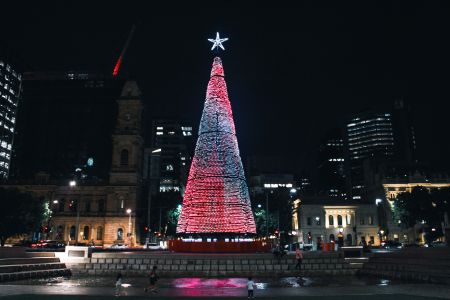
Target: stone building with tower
90	209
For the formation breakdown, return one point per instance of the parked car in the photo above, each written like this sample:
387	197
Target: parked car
152	246
412	245
290	248
391	245
118	246
49	244
438	244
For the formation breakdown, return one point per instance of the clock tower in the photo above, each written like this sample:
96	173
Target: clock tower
127	140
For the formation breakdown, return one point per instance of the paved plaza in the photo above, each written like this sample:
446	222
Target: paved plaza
366	297
196	288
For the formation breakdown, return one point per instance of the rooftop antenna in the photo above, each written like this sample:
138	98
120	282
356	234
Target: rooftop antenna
119	60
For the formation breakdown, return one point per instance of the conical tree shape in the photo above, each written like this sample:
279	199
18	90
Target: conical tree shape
216	199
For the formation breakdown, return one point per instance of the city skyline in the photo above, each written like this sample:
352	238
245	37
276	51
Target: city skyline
293	77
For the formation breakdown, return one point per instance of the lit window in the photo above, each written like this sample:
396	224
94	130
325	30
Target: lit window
159	133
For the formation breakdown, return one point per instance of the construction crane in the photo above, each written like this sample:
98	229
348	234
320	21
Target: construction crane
119	60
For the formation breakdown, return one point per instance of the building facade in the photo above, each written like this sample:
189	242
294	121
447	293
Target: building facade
10	93
167	159
392	188
323	220
368	136
331	166
103	213
64	127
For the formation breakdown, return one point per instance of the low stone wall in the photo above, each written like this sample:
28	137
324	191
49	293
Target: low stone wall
416	264
211	265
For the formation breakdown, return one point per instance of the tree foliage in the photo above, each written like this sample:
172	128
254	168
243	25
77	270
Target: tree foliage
423	206
21	213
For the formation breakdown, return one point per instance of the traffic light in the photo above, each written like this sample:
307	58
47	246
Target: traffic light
146	229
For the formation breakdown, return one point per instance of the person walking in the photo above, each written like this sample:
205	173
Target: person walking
118	284
153	278
298	257
250	285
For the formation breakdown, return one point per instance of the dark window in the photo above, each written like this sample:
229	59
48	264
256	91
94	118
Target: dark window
308	221
331	237
73	205
88	205
72	232
100	233
317	220
331	220
339	220
60	232
62	203
124	157
86	233
101	205
361	221
120	234
349	240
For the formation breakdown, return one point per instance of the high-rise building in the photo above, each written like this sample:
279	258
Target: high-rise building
65	125
369	135
331	166
404	134
10	93
167	160
170	155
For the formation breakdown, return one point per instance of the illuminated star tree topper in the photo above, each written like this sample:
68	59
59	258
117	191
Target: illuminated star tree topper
218	42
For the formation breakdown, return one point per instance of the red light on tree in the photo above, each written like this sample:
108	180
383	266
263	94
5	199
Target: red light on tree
216	197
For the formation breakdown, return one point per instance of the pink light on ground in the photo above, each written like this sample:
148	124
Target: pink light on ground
195	283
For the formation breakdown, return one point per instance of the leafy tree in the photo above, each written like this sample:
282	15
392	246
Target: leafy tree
423	206
260	221
21	213
172	219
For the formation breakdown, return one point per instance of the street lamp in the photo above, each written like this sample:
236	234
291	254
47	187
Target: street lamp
129	225
72	184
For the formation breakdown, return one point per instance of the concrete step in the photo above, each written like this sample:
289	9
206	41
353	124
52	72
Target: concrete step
30	267
34	274
32	260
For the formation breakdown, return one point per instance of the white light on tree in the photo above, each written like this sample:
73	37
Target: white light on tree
218	42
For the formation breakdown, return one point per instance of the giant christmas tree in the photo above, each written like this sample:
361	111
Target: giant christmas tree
216	199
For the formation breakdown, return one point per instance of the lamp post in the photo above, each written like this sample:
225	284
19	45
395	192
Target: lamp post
267	214
129	225
72	184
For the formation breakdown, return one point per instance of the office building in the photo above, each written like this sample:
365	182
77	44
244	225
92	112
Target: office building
368	136
331	166
10	94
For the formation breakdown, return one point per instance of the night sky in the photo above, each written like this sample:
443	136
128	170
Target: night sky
292	72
